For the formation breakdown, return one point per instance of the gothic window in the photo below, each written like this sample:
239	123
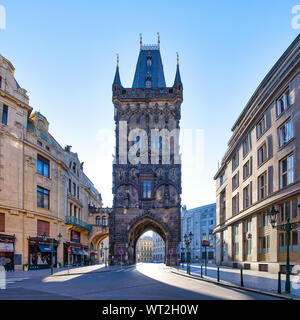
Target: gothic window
98	221
104	221
146	189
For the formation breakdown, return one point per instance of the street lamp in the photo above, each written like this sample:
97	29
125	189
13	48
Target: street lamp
104	254
288	227
182	256
45	238
187	240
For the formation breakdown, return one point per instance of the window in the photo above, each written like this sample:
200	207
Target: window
247	169
246	196
4	115
74	167
75	211
262	154
294	241
43	227
39	143
43	198
262	186
149	61
0	82
104	221
235	181
235	204
283	103
235	160
43	165
261	127
78	192
281	242
146	189
2	222
286	133
71	206
247	145
70	185
74	189
287	171
222	178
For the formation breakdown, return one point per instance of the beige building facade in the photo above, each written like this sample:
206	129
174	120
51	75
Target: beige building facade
43	189
261	169
144	248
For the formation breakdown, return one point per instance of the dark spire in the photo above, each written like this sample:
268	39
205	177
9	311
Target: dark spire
117	79
149	65
177	76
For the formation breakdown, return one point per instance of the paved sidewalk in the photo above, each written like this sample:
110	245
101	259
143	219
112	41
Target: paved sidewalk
252	279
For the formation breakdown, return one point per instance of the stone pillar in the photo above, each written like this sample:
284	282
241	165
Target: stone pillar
241	241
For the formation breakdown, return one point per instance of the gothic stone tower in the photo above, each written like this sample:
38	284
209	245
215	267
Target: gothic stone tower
146	193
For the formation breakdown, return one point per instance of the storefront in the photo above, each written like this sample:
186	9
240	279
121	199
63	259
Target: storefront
41	252
78	255
7	251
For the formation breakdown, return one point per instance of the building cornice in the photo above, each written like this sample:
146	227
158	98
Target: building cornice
15	100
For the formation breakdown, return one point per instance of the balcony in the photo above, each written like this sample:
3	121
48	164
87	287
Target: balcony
78	223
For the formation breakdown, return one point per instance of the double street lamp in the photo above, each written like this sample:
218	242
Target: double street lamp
287	227
45	238
187	240
106	248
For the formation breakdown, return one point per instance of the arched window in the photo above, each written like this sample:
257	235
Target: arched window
98	221
104	221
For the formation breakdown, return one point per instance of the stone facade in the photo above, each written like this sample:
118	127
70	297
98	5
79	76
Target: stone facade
261	169
201	222
146	195
42	186
159	248
144	249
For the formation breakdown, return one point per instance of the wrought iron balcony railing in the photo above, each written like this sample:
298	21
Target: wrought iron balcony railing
77	222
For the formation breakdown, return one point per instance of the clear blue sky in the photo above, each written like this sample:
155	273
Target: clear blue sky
64	53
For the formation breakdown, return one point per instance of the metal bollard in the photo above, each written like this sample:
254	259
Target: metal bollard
201	272
279	282
242	280
218	274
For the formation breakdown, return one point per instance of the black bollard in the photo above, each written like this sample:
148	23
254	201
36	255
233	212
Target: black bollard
242	280
201	272
218	274
279	283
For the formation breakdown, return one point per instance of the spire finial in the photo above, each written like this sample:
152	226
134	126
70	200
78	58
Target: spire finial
177	58
117	60
141	41
158	40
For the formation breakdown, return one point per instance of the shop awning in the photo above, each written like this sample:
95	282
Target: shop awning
84	253
74	251
6	247
46	249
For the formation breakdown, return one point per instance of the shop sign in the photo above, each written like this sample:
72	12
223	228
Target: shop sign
6	247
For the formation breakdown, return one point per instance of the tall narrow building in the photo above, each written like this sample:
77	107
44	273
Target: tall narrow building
146	179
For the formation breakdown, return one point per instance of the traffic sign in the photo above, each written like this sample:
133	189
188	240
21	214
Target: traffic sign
171	251
69	251
121	252
205	243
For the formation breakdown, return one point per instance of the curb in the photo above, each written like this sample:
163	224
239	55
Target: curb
236	287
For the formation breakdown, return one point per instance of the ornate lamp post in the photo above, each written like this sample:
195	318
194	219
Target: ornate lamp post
105	261
45	238
187	240
288	227
182	256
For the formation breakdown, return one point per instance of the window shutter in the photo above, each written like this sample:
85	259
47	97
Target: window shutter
2	222
270	146
268	118
251	193
270	180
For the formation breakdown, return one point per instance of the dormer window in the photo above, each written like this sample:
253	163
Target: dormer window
149	61
74	167
148	81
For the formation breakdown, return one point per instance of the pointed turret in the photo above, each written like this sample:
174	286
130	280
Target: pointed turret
117	79
177	76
